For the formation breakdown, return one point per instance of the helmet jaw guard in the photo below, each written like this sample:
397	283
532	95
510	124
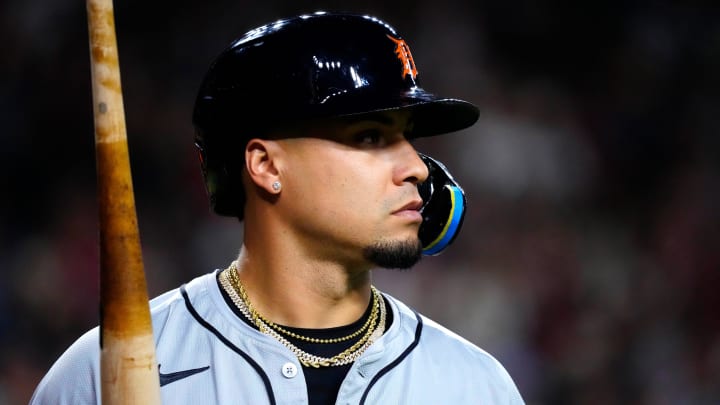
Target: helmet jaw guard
443	209
306	68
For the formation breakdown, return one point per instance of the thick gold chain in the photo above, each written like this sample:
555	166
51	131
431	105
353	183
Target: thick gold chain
232	285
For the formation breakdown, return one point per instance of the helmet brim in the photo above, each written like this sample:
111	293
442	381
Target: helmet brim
431	115
442	116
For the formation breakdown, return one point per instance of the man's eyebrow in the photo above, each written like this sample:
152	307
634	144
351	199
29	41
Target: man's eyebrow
378	117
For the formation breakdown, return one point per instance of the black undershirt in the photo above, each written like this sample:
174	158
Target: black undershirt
323	383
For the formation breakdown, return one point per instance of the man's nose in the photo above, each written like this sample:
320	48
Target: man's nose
411	168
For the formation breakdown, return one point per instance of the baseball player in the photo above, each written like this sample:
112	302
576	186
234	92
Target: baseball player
303	128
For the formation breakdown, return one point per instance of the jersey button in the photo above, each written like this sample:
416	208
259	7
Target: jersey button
289	370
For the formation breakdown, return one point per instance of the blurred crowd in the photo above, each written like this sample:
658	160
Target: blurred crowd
589	261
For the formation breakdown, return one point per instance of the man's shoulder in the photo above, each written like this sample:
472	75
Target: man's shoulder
164	304
455	348
171	311
455	344
74	377
450	358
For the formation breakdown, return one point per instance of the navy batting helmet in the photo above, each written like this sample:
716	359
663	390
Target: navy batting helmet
304	68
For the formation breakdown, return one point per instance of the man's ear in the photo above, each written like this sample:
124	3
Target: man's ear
262	162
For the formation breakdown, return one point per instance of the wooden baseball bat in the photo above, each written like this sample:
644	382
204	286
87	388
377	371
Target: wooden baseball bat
128	369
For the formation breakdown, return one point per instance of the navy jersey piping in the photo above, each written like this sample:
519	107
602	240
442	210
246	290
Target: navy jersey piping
418	332
206	325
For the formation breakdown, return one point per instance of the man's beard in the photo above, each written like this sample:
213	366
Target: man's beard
394	254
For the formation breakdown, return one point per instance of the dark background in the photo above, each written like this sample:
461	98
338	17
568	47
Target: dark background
589	263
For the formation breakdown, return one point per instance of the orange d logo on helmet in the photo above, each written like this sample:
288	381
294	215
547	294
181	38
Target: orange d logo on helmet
402	50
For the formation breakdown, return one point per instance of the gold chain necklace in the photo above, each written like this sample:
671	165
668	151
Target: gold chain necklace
309	360
235	281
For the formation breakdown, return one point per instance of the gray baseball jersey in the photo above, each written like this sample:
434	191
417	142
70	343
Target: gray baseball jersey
207	355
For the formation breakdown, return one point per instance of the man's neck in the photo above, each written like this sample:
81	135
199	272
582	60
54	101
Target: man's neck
300	292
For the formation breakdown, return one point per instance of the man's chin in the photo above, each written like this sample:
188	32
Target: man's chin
394	254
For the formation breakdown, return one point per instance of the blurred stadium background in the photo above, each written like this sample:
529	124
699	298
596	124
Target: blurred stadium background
590	259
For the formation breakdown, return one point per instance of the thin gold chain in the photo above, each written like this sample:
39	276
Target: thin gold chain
236	282
374	332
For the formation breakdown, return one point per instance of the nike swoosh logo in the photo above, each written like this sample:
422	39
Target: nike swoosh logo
168	378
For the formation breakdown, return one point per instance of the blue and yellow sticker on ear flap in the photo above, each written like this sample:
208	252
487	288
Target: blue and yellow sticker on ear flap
453	222
443	208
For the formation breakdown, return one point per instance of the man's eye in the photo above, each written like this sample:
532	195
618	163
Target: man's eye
369	137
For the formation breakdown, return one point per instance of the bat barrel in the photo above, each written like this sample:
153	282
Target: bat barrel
129	372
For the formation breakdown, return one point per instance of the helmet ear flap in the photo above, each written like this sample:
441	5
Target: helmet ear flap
443	208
